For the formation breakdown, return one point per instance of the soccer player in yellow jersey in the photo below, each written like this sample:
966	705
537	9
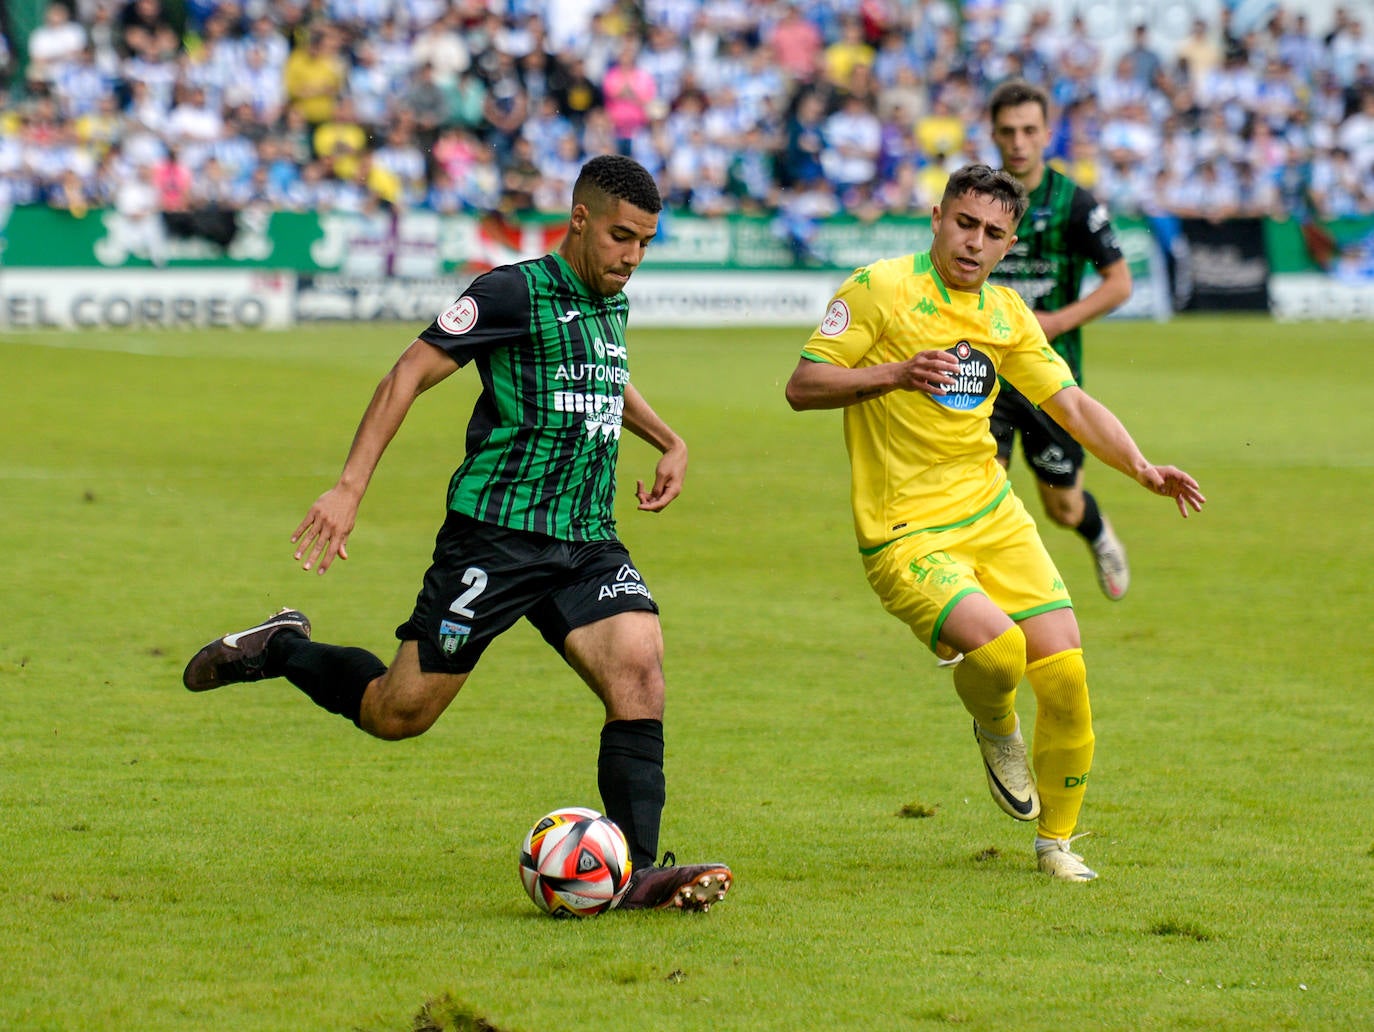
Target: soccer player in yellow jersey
911	348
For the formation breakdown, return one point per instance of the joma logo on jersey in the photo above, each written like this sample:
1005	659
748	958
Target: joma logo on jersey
627	582
611	350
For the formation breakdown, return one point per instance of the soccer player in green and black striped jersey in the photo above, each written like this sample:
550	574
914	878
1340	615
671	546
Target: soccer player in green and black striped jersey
1063	232
530	527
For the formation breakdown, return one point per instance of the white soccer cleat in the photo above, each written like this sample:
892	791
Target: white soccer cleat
1009	774
1059	861
1109	556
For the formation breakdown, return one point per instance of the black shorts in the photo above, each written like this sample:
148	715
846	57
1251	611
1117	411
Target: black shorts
1051	453
484	578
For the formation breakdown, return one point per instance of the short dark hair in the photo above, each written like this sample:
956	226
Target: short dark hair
1015	92
1002	187
614	175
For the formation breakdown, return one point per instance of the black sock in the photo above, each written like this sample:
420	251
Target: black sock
333	676
1090	527
629	772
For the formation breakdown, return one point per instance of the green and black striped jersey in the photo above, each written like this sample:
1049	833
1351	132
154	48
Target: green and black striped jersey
544	435
1063	231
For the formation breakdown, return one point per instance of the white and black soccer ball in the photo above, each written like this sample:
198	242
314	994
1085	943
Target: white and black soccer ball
575	863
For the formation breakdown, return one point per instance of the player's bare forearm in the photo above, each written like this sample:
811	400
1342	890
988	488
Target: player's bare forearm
670	472
323	534
821	385
641	420
1094	426
418	369
1113	292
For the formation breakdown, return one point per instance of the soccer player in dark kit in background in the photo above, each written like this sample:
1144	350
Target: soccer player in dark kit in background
530	529
1064	231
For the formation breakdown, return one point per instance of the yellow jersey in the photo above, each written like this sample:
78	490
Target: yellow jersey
920	462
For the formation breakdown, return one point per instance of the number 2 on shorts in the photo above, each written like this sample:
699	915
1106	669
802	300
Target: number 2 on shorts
476	579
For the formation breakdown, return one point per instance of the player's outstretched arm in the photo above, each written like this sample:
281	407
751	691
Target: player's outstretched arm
1109	295
323	534
1094	426
670	472
821	385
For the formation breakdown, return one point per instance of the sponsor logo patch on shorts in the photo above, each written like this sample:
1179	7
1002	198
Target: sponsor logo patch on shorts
627	582
452	636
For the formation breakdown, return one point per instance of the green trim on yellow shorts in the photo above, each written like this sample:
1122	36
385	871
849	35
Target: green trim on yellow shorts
1006	489
1066	603
944	614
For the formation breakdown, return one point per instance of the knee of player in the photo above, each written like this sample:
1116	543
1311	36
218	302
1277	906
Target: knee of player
643	702
1065	512
394	723
392	730
1060	683
635	695
1001	660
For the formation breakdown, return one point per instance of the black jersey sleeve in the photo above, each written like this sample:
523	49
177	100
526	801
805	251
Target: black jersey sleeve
1090	230
493	312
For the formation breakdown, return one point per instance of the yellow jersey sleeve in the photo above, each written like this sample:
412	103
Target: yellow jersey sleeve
857	316
1031	365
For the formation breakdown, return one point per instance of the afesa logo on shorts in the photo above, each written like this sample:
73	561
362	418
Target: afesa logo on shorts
973	383
459	317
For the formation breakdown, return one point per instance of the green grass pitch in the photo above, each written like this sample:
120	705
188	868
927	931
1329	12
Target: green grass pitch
244	861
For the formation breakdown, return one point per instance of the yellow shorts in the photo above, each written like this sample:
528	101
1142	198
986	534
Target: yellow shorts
921	577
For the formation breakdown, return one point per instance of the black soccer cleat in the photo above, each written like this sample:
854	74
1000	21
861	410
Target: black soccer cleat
689	887
242	655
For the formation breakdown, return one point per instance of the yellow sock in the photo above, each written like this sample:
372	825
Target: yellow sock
987	678
1063	749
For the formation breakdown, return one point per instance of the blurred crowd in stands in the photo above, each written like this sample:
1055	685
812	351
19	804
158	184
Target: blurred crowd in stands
795	108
